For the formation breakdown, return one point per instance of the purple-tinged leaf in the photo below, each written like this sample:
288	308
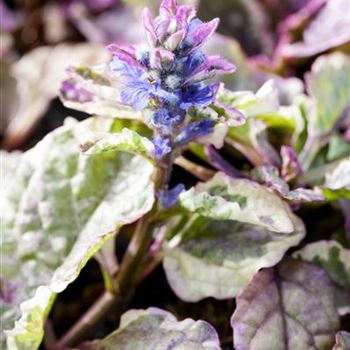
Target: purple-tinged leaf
327	28
154	329
335	260
303	195
287	307
269	177
291	167
73	92
342	341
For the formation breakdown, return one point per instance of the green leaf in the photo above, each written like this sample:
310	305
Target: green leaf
29	329
64	206
127	141
337	184
226	198
155	329
342	341
337	148
212	258
36	88
335	260
328	84
287	307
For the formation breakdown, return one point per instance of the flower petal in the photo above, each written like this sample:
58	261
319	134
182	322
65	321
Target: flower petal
169	197
198	95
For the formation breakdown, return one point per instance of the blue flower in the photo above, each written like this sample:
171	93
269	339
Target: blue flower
137	88
198	95
169	197
163	118
192	62
162	145
194	130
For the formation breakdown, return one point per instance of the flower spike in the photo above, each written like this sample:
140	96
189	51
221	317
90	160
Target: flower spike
169	76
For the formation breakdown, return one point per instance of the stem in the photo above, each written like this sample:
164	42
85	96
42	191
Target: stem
198	171
127	277
50	336
88	321
137	248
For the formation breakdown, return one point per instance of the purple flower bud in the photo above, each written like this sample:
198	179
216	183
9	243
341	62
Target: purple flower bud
169	197
197	37
211	66
125	53
184	15
150	28
175	40
168	7
161	59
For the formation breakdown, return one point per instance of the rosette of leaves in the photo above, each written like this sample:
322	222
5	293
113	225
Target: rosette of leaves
225	237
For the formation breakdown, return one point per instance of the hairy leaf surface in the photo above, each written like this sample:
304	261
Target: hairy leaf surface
155	329
226	198
64	206
219	258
